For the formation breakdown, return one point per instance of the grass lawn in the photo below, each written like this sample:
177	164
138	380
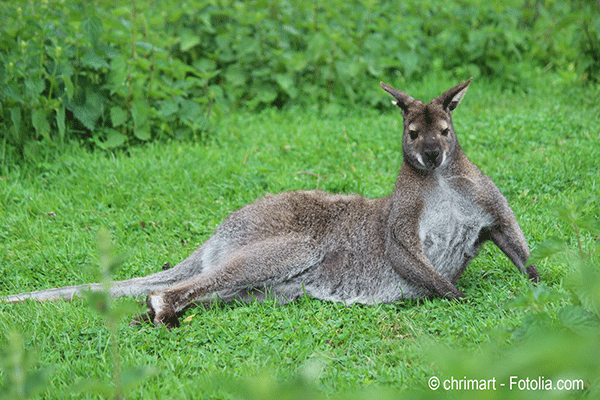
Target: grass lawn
161	201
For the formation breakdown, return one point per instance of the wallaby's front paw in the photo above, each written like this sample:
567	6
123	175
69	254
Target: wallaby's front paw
533	274
161	312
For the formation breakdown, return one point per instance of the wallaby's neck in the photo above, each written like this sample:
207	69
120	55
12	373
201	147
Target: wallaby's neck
412	178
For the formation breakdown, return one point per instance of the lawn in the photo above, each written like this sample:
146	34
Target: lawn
160	201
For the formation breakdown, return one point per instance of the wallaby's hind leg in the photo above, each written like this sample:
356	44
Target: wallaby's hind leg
253	265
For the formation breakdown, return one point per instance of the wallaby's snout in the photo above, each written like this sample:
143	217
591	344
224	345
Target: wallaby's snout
433	157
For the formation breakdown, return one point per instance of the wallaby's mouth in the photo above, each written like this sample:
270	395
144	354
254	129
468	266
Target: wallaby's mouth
431	159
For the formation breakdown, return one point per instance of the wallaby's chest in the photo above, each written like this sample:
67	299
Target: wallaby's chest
449	228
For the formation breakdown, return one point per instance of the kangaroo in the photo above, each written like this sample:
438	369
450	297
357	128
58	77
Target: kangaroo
348	248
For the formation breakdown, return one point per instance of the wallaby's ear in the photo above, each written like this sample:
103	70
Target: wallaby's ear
403	100
452	97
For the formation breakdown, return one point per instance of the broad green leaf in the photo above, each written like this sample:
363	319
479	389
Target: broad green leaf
15	116
114	139
100	302
167	108
92	26
518	302
69	88
117	77
191	112
332	109
142	132
533	325
118	116
13	91
579	320
34	87
140	111
588	224
584	282
569	19
567	213
205	65
535	296
188	40
236	76
36	381
147	46
60	122
125	308
409	61
317	47
549	247
88	108
40	123
19	378
286	82
93	60
266	94
107	260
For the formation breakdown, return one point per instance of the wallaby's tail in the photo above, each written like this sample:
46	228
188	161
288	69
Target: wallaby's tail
67	293
136	287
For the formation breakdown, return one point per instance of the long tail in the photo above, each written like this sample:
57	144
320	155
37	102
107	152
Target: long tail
136	287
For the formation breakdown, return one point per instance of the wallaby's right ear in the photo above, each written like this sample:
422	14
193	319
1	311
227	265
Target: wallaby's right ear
452	97
403	100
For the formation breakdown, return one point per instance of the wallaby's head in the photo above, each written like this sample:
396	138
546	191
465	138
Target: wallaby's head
429	140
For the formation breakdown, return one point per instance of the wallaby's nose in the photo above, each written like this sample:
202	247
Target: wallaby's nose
433	156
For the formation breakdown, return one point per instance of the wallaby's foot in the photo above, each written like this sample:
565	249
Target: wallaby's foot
149	317
160	312
455	295
447	290
533	274
167	318
142	319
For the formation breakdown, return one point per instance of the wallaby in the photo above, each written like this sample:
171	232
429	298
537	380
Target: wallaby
348	248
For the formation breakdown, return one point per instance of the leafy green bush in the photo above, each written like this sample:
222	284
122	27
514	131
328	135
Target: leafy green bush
69	70
150	69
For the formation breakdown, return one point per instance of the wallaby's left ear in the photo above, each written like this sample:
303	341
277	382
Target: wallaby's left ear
403	100
451	98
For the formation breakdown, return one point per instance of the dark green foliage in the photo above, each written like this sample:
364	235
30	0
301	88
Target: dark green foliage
95	72
110	75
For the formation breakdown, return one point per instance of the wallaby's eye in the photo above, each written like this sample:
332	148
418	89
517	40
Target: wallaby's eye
413	134
445	132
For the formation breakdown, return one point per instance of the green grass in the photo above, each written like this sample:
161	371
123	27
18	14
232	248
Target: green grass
161	201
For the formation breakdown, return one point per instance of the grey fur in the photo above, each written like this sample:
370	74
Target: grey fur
348	248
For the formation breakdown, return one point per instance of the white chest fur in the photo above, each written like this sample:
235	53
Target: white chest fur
449	228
